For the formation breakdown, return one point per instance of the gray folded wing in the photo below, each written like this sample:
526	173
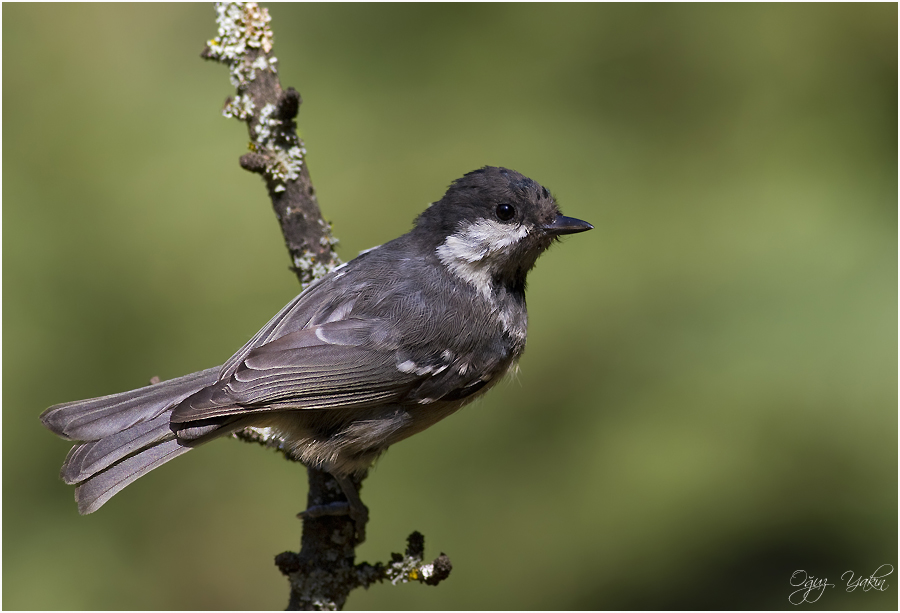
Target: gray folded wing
331	365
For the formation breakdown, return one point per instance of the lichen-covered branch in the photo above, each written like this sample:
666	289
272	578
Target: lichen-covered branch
244	44
324	572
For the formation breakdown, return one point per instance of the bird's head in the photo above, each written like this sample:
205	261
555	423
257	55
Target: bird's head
491	226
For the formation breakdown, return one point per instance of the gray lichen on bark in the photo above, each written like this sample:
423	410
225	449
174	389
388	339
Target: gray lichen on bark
244	44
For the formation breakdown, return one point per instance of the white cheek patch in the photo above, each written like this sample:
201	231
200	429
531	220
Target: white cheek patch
479	240
469	251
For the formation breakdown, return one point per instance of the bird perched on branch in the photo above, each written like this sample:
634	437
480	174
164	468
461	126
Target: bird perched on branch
379	349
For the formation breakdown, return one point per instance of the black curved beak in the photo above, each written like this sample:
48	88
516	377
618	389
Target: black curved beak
567	225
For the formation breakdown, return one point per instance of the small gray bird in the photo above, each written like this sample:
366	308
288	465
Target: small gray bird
381	348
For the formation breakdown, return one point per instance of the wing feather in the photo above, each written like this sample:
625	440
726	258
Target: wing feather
321	367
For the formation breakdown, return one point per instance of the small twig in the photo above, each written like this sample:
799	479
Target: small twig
403	568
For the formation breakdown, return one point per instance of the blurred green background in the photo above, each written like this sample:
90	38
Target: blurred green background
709	397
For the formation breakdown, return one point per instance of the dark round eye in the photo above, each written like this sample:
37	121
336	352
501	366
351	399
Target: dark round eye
505	211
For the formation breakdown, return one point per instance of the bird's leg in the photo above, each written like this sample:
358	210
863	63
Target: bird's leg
352	506
359	512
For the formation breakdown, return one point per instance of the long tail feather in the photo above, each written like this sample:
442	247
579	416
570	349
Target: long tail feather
124	436
96	418
87	459
93	493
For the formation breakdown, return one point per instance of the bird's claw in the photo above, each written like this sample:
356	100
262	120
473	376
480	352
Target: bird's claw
353	507
332	509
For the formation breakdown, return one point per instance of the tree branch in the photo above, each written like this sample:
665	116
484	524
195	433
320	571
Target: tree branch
244	44
323	573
